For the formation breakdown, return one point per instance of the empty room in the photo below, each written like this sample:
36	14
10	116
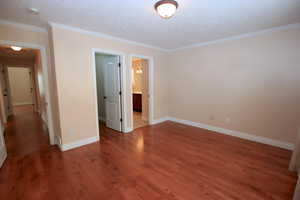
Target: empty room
156	99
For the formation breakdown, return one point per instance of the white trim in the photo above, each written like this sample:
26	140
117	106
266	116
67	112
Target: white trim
3	156
239	134
247	136
79	143
128	130
45	69
103	35
3	152
123	83
160	120
237	37
58	141
151	86
23	103
23	26
102	119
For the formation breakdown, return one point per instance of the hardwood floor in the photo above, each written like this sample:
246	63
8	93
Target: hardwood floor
25	132
138	120
167	161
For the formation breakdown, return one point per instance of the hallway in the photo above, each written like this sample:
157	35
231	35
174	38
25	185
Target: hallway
138	121
25	133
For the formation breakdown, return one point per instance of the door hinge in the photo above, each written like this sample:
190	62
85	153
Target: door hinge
120	93
119	64
121	120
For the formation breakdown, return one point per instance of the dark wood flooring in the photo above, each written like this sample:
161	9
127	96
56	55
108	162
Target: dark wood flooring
167	161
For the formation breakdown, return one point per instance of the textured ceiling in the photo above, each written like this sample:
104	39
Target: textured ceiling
195	22
28	54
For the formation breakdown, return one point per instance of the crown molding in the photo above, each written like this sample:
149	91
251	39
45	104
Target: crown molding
103	35
237	37
23	26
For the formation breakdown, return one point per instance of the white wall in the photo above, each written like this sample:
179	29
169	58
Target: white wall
20	85
253	81
249	85
40	87
74	75
31	35
137	78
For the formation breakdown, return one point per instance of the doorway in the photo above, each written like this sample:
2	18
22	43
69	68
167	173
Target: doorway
25	97
109	90
140	91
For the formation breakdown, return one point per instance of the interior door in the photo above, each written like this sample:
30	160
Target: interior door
112	93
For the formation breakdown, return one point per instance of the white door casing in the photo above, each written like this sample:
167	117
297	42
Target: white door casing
150	66
45	70
5	91
112	89
145	90
31	78
3	153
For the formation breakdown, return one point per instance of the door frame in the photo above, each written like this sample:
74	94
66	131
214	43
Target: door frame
150	88
3	151
122	82
45	71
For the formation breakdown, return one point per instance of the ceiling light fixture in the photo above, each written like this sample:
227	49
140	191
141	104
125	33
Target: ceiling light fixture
34	11
15	48
139	71
166	8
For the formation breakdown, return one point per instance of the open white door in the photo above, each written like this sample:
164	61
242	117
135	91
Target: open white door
112	93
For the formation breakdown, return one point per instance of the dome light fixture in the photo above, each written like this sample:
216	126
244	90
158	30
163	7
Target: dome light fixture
34	11
166	8
15	48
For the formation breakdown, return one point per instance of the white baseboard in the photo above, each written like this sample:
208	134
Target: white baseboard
247	136
102	119
128	130
22	103
160	120
79	143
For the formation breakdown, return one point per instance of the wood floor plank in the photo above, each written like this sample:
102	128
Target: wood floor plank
167	161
